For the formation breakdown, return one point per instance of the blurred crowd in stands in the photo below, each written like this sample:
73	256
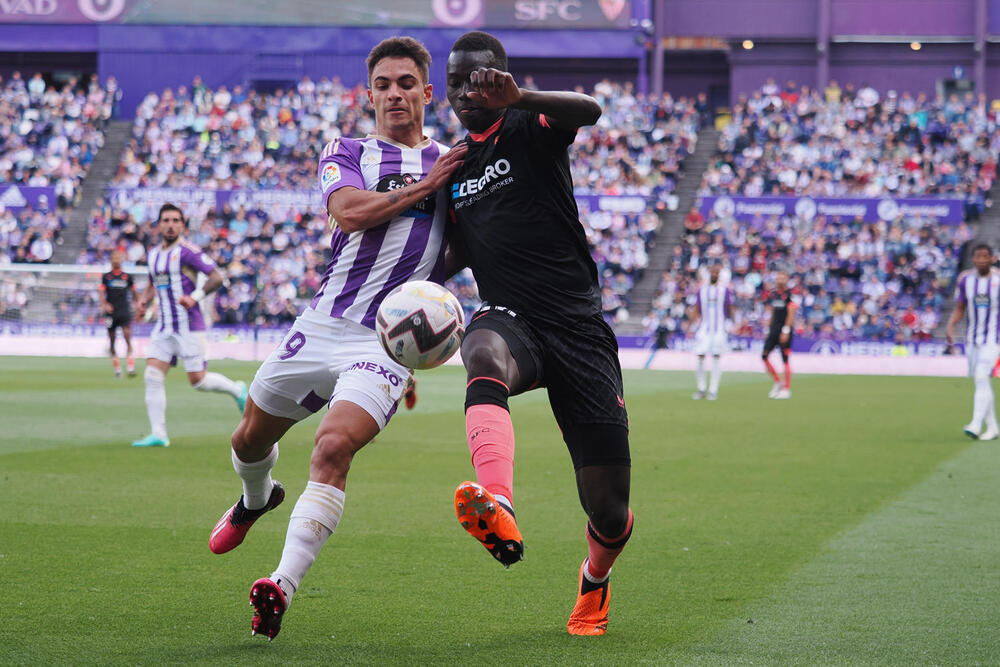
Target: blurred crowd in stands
847	142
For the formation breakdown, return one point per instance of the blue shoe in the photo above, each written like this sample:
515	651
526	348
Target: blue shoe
241	400
152	441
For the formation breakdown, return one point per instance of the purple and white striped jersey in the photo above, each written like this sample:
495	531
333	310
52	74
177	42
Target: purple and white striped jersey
981	296
174	272
713	304
367	265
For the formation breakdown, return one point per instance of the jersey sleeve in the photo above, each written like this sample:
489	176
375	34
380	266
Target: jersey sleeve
104	282
541	130
197	260
130	281
340	166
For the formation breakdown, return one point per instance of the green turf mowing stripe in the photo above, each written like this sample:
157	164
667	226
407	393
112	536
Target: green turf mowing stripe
917	582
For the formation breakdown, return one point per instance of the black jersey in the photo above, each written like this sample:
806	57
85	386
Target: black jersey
518	224
779	301
116	286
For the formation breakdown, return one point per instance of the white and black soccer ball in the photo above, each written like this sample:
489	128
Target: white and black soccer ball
420	324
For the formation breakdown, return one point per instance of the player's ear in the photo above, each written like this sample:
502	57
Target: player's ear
428	93
371	100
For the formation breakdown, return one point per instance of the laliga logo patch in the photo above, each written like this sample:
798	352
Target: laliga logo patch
330	175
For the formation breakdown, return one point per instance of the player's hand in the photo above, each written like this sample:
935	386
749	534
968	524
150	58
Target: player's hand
187	301
140	309
493	89
783	339
446	165
949	336
108	308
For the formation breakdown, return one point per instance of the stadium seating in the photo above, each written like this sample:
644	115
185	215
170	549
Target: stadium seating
53	134
842	143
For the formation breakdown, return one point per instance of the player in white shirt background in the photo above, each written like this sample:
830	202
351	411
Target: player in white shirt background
174	265
384	194
714	313
977	297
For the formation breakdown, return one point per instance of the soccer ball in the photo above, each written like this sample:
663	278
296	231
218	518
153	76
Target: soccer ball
420	324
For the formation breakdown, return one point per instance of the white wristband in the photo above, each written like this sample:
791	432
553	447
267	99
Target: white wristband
786	330
198	294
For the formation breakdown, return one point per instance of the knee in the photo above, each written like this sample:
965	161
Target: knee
484	361
153	375
333	451
610	519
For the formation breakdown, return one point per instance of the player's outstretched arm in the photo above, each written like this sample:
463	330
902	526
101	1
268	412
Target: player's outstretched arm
356	210
495	89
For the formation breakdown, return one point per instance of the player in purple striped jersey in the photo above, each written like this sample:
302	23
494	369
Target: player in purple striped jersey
174	266
385	200
977	296
715	316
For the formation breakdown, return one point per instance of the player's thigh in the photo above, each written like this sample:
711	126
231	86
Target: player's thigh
985	359
163	347
719	345
296	380
192	353
584	382
702	344
501	345
366	376
770	343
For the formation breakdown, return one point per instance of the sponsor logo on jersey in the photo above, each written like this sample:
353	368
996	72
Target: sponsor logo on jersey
472	186
396	181
330	175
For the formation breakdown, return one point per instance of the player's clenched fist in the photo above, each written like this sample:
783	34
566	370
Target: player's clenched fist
493	89
446	165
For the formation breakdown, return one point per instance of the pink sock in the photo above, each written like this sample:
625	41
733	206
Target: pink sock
788	375
771	370
603	551
491	441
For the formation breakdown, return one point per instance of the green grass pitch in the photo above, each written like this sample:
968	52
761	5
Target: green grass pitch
851	525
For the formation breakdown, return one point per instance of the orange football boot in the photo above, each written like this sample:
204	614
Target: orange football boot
590	615
490	522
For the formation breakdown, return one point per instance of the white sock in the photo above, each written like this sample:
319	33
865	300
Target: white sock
700	374
218	382
982	400
713	386
314	518
257	482
591	578
156	401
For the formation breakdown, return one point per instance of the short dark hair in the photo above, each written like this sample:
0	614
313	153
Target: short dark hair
483	41
400	47
982	246
170	207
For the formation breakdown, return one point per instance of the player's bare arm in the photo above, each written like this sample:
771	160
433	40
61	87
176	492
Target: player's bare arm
356	210
956	315
143	301
214	282
494	89
786	330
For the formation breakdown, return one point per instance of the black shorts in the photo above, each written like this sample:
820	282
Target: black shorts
773	340
117	320
578	365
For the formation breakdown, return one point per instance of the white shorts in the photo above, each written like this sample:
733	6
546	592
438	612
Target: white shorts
714	344
189	347
321	361
981	359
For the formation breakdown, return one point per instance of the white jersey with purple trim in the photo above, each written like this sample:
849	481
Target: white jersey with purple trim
366	265
173	271
981	296
713	306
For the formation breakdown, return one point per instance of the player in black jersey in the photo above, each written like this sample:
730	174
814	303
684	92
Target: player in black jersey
517	227
116	286
783	303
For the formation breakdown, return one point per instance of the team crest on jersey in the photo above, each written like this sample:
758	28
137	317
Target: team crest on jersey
330	175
